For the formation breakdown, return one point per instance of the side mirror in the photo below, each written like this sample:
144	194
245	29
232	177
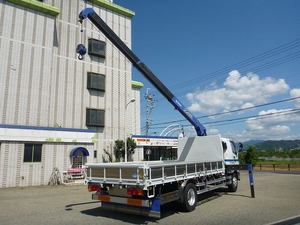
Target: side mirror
240	147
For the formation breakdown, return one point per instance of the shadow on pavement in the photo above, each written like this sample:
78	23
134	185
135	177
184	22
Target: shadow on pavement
167	210
69	207
225	191
119	216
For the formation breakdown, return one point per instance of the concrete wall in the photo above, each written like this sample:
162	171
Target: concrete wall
44	85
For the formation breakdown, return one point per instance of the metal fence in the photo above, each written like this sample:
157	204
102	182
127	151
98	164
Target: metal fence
277	167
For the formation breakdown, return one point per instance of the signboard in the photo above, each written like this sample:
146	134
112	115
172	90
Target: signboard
156	141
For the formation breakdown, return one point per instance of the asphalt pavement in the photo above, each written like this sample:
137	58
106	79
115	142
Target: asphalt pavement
277	201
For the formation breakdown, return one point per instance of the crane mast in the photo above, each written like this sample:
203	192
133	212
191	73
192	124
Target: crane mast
90	14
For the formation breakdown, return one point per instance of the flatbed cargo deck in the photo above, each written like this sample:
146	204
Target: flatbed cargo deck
146	174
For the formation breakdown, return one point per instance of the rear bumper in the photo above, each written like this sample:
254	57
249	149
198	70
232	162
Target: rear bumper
145	207
131	209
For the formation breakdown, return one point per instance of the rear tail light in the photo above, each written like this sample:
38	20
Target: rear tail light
93	187
135	191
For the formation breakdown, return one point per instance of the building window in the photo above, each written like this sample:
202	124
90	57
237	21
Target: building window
33	153
96	81
95	117
77	161
95	153
160	153
96	47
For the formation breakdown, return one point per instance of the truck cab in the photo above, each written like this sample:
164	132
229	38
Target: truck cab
230	152
231	156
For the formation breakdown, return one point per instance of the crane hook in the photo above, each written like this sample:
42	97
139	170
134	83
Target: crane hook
81	50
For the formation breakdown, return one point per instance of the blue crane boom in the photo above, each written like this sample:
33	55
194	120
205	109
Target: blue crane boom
90	14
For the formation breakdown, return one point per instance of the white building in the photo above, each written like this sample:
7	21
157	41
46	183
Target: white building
57	110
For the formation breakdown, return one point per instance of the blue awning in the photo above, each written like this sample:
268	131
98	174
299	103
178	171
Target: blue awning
77	149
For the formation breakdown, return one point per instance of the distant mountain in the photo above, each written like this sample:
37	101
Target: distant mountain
274	145
279	145
252	142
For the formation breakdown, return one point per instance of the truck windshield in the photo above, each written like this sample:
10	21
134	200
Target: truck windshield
233	147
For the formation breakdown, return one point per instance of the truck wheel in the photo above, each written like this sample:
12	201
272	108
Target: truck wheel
234	183
190	198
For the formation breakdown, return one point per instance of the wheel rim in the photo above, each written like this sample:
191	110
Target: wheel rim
234	181
191	197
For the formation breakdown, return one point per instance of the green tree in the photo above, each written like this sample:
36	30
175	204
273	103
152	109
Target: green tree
295	154
131	146
120	148
251	156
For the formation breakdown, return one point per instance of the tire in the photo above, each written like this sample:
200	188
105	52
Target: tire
190	198
234	183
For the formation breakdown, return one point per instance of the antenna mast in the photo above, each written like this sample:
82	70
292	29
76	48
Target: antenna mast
150	104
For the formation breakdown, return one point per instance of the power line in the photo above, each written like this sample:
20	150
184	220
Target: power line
232	111
184	91
290	99
250	61
242	119
252	107
285	112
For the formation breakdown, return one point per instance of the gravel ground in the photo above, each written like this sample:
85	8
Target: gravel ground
277	197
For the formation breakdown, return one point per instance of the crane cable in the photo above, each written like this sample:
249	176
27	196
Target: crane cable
81	49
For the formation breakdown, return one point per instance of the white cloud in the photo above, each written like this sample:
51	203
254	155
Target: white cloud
207	101
294	94
238	92
271	125
212	131
246	91
190	132
248	105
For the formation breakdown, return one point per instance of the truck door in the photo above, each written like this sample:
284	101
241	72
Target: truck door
234	153
230	152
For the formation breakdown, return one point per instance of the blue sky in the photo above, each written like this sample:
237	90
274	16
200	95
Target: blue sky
234	64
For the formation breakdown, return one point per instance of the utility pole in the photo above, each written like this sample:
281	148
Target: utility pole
150	104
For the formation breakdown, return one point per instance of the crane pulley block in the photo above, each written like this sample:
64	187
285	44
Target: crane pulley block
81	50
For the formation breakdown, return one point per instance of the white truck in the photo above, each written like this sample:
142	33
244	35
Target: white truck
204	163
142	187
